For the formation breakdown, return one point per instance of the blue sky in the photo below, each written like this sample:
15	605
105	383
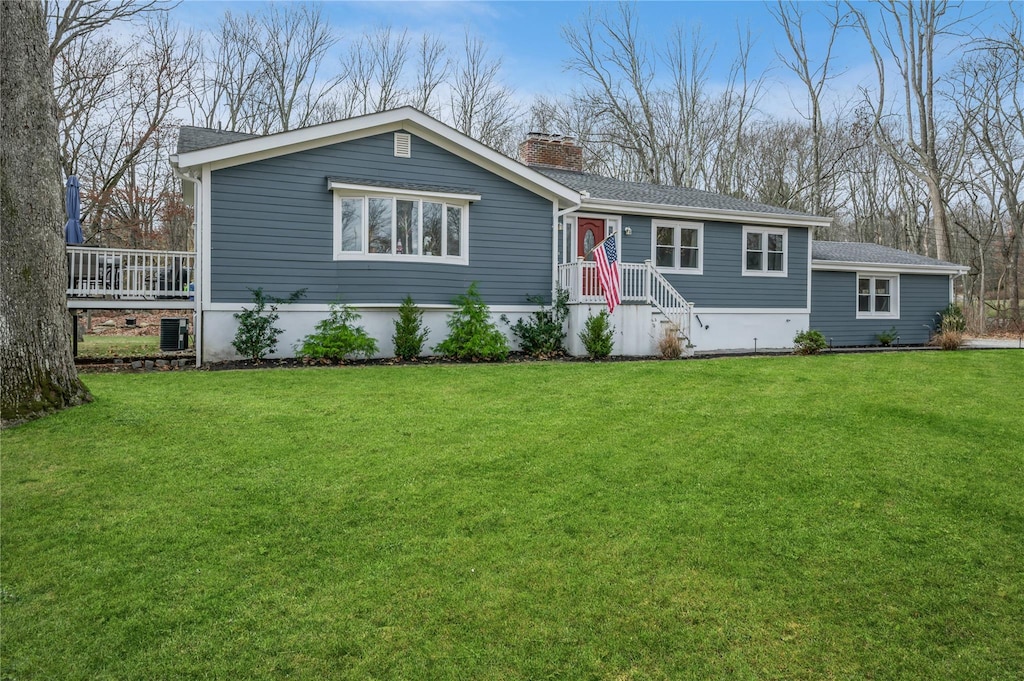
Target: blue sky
528	35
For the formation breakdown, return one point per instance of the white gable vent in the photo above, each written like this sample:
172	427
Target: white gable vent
403	145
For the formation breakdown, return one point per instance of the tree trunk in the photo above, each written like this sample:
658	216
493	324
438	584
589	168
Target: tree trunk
39	374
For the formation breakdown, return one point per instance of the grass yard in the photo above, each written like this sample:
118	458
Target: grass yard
856	516
118	346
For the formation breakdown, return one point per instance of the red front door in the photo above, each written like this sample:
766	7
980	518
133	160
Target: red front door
589	233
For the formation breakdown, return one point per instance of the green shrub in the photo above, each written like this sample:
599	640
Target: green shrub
542	334
809	342
409	332
952	319
889	337
597	335
338	337
471	334
256	336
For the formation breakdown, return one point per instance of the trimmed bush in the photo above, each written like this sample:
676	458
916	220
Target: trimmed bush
409	332
256	336
809	342
889	337
597	335
542	334
471	334
338	337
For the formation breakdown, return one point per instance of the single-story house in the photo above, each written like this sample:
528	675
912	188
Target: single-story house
367	210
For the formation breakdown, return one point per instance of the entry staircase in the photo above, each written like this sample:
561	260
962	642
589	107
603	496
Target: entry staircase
641	283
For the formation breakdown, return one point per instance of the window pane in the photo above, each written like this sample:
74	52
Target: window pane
665	236
882	286
864	303
688	258
688	238
774	262
352	225
881	303
753	260
754	241
664	256
864	287
454	231
407	223
775	242
380	225
431	228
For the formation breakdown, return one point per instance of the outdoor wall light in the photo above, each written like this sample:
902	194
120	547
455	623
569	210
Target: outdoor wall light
628	231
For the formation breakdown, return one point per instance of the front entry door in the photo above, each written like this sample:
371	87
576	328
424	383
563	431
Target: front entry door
589	233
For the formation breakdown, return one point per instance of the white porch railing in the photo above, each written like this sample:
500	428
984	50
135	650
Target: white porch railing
641	282
127	274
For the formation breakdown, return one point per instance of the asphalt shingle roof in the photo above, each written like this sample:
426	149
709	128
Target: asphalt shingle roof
191	138
840	251
600	187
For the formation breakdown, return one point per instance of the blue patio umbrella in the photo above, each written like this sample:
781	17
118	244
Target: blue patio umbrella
73	202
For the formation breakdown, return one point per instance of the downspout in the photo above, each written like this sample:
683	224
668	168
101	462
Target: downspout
197	322
558	215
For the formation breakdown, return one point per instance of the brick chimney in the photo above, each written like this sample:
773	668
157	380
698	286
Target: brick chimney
551	151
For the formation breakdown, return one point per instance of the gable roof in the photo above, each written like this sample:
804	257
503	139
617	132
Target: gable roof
847	255
191	138
254	148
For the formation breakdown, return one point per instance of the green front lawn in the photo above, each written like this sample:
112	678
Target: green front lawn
856	516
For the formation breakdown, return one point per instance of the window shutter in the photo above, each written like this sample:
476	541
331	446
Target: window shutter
403	145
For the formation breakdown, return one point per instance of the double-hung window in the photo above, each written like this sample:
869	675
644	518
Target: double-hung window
878	296
765	251
424	226
678	246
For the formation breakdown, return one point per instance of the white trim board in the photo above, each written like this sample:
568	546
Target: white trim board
712	214
368	307
883	268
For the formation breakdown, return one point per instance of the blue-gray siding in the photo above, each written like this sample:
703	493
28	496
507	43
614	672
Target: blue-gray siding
722	284
272	227
834	308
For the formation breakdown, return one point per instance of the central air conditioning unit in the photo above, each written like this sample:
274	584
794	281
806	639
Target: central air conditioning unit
173	334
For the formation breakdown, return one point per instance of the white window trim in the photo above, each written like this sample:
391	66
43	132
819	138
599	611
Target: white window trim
894	295
676	226
612	225
764	271
459	201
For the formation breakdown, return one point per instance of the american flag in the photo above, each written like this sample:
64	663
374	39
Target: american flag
606	256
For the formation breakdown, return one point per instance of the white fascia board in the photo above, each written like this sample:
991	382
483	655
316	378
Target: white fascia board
884	268
366	307
721	215
377	189
405	118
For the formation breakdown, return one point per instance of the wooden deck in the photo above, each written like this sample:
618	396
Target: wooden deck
122	278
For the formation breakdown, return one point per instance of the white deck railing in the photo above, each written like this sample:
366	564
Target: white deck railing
641	282
129	274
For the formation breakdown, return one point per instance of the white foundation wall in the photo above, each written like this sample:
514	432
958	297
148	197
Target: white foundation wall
637	329
720	330
219	329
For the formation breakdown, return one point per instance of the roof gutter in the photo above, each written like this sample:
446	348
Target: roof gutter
667	210
842	266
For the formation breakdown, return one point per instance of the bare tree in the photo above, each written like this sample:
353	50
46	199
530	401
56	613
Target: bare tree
989	95
39	374
225	94
433	69
375	69
481	106
291	46
75	20
908	32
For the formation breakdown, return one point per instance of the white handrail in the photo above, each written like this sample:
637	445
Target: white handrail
127	273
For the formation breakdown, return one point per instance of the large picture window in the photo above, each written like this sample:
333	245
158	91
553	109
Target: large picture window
765	251
399	227
678	246
877	296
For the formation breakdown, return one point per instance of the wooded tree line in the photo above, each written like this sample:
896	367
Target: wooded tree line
928	156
